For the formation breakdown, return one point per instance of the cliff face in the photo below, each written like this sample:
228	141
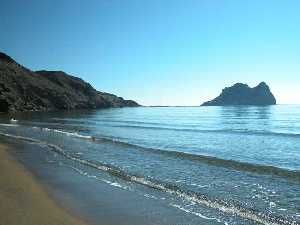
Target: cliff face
242	94
24	90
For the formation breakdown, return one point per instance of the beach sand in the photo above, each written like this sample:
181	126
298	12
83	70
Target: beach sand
22	199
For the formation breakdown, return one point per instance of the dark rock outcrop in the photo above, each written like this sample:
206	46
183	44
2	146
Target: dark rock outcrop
242	94
24	90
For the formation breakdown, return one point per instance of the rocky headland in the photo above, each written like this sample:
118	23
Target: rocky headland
24	90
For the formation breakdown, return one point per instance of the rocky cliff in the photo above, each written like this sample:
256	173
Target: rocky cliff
242	94
24	90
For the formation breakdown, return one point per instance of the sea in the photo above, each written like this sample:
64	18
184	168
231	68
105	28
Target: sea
172	165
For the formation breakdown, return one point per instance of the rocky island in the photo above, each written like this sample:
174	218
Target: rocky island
242	94
24	90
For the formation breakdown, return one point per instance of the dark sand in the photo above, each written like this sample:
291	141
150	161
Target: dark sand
23	201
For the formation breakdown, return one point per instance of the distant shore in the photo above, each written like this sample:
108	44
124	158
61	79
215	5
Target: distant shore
23	201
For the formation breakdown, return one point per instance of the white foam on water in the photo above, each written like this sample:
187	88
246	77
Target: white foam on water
73	134
115	184
150	196
81	172
148	183
8	125
199	185
197	213
78	153
78	170
235	210
272	204
282	209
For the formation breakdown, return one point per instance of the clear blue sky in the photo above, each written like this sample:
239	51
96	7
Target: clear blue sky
160	52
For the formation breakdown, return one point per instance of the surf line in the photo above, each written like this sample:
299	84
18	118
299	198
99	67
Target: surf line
203	200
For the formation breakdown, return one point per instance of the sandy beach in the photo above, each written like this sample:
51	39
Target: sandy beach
23	201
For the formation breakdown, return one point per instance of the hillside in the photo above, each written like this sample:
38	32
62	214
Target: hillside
24	90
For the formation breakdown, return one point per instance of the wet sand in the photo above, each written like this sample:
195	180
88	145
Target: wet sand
23	201
96	201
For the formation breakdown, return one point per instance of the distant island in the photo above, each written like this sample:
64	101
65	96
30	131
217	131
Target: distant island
24	90
242	94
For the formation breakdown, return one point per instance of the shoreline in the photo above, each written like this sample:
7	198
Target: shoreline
105	202
23	200
100	197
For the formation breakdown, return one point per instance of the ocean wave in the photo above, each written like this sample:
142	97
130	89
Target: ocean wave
197	214
8	125
187	195
165	126
210	160
222	131
73	134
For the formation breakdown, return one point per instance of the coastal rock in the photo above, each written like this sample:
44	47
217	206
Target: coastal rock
242	94
24	90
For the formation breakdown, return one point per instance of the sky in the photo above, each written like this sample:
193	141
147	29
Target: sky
160	52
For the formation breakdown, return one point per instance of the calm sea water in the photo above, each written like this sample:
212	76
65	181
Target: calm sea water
225	164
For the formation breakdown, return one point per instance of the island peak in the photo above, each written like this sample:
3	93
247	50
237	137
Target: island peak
242	94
